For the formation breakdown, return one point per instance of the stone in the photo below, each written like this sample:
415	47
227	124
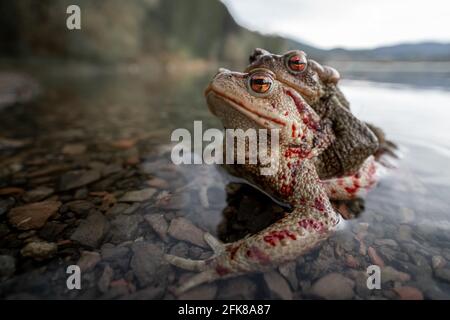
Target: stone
158	183
203	292
334	286
386	242
238	289
39	250
150	293
80	207
182	229
278	286
38	194
33	216
438	262
125	227
88	260
288	270
404	233
407	215
124	143
91	230
51	230
76	179
391	274
374	257
149	265
6	204
158	224
180	249
112	253
73	149
351	261
9	191
105	279
443	274
7	266
408	293
138	195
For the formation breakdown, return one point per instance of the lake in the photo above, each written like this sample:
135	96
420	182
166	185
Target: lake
92	141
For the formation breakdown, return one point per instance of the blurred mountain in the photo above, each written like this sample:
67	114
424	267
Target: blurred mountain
164	30
422	51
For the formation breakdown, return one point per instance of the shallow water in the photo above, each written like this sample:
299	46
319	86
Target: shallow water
127	120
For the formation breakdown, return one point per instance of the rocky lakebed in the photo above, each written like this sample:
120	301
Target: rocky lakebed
86	179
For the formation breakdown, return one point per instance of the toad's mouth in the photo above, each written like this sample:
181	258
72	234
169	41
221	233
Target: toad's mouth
266	120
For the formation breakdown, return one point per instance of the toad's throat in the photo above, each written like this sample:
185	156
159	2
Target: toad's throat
260	118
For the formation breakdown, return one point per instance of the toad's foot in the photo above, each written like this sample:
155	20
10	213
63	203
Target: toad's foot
207	273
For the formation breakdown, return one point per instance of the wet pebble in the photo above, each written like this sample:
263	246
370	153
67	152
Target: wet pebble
33	216
182	229
148	264
38	194
374	257
73	149
88	260
138	195
158	224
408	293
203	292
278	286
391	274
125	227
76	179
105	279
158	183
91	230
80	207
288	270
334	286
240	288
180	249
6	204
443	274
39	250
7	266
438	262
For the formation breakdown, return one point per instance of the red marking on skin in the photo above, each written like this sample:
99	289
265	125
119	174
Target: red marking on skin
286	190
354	189
256	253
232	250
275	236
293	130
312	224
298	103
299	152
273	105
319	205
310	123
221	270
286	113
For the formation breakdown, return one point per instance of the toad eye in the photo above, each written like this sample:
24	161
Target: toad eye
260	84
296	63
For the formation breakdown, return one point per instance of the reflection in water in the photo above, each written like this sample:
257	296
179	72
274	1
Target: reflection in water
124	125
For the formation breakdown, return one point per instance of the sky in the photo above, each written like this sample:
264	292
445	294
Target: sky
347	23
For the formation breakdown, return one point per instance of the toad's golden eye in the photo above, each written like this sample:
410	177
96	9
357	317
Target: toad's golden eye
260	83
296	63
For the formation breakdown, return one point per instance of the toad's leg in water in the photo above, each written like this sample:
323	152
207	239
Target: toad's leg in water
312	221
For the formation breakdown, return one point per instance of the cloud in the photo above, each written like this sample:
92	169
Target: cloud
347	23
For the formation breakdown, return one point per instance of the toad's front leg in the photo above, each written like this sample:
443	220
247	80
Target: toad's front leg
285	240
